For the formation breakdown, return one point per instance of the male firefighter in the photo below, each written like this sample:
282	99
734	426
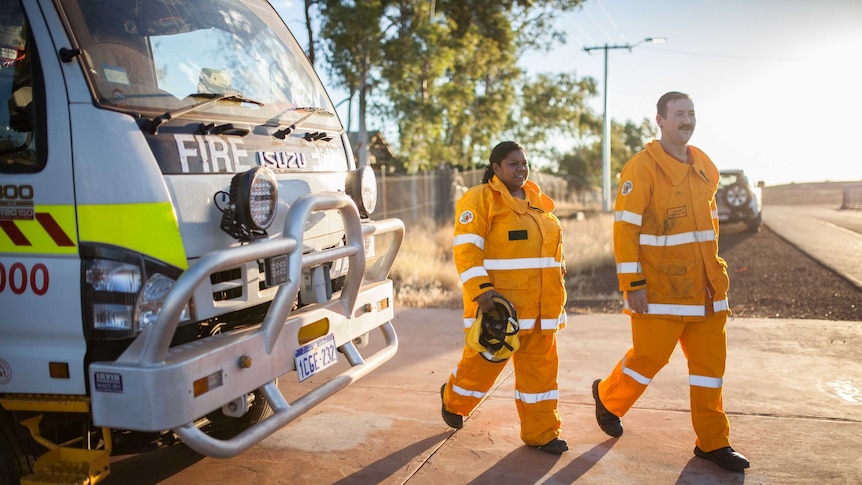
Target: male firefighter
673	281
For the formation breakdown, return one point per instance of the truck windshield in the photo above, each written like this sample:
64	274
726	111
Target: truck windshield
155	56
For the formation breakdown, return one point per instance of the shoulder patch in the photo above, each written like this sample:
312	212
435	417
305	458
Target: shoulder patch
466	217
627	187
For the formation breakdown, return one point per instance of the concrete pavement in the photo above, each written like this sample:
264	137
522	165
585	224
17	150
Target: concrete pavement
792	392
827	234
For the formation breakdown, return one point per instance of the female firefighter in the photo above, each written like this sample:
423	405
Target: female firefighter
508	249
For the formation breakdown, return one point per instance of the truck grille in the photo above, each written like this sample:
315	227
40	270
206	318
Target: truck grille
227	285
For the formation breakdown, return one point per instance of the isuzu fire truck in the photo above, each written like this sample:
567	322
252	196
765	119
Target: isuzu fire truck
182	224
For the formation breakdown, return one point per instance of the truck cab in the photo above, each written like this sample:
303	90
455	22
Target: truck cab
182	223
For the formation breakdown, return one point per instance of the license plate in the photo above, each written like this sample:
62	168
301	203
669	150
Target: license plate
315	356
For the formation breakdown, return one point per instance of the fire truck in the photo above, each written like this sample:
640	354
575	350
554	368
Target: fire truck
183	225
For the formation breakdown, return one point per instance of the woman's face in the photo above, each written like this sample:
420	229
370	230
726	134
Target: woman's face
513	170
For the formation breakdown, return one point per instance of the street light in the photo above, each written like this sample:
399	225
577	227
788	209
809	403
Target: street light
606	123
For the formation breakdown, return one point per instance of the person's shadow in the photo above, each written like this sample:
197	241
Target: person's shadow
539	465
701	472
583	463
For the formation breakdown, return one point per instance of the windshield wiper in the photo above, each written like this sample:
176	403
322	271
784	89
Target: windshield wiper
158	121
282	133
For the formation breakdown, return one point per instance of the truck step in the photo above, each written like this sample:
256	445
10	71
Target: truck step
70	466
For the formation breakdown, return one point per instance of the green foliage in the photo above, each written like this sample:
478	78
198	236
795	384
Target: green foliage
551	107
445	73
583	166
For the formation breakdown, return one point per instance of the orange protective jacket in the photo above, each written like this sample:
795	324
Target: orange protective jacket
513	246
666	234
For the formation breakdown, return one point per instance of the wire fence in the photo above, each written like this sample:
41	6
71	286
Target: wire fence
430	196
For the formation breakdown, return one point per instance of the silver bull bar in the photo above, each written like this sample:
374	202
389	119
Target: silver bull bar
150	387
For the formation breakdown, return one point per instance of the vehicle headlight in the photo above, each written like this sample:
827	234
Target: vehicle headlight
123	292
253	200
107	275
362	187
117	284
151	300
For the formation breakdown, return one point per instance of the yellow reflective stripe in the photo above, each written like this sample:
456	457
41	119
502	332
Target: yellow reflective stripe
51	231
150	229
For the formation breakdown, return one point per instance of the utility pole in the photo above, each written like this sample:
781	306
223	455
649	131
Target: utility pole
606	122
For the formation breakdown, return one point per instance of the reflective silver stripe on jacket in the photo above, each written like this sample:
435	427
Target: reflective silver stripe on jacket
677	239
634	267
473	272
522	263
529	323
681	310
627	216
474	239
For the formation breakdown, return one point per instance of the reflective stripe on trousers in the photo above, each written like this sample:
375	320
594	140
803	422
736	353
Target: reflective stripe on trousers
654	340
535	365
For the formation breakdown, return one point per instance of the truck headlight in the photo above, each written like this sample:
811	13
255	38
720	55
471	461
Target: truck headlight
362	187
123	292
252	203
151	299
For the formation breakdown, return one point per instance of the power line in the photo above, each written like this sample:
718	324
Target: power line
725	56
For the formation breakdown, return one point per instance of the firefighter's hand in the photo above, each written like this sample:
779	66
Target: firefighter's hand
637	301
484	301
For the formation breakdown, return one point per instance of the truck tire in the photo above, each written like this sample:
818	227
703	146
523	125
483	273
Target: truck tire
18	450
737	196
754	225
225	427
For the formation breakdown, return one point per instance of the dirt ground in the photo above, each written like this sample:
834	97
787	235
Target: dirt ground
769	278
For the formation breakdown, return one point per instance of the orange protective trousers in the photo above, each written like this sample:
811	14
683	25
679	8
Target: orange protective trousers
536	393
704	344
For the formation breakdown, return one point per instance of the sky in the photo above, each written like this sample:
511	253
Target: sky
776	84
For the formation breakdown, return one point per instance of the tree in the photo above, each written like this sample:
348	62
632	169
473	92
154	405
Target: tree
352	34
552	107
447	78
452	79
583	166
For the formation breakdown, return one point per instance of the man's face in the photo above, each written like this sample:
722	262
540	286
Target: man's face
680	121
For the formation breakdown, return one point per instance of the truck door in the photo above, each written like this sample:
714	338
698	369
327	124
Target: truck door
42	344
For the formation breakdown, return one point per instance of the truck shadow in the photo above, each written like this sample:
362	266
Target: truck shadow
159	465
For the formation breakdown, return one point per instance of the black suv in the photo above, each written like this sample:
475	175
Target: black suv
738	200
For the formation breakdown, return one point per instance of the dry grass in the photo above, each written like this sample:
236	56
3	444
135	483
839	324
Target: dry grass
425	275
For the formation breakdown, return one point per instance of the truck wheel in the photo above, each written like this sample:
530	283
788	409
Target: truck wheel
755	224
18	450
737	196
225	427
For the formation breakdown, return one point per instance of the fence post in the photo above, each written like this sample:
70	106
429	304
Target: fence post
383	188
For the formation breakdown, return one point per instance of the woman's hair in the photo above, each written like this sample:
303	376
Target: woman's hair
498	154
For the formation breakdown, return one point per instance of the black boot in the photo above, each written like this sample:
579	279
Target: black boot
725	458
608	421
453	420
555	447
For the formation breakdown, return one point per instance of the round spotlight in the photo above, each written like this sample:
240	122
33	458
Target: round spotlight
362	187
256	197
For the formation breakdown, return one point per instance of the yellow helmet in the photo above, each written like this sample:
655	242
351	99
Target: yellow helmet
495	335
